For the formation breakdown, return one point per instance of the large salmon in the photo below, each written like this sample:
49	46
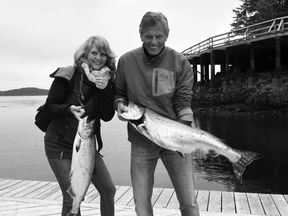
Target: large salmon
83	161
179	137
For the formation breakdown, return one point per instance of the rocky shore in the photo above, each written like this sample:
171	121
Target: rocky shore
264	95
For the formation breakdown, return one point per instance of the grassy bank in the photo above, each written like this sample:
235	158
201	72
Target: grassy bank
264	95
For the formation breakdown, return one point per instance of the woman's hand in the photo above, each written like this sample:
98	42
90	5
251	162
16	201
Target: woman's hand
77	111
101	81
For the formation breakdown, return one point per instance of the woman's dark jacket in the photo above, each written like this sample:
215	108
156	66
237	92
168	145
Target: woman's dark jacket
66	90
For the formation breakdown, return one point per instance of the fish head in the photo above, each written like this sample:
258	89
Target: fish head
86	127
134	111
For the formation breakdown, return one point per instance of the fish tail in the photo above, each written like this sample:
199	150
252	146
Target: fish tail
246	158
71	214
71	192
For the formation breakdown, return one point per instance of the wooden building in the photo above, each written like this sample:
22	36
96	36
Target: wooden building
262	47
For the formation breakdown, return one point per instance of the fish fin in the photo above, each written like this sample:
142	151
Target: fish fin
142	129
180	153
246	158
71	192
78	145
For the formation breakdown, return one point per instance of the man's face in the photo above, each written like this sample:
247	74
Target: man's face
154	38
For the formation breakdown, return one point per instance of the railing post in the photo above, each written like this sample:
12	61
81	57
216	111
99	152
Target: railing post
281	25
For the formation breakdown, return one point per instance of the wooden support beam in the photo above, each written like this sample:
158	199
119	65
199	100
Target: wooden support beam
252	61
206	72
202	69
278	56
212	63
195	72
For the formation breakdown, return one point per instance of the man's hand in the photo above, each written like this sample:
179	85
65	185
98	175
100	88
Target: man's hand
121	108
77	111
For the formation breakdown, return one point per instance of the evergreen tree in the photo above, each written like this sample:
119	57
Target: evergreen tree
255	11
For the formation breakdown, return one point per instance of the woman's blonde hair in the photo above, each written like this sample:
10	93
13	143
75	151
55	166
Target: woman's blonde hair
102	45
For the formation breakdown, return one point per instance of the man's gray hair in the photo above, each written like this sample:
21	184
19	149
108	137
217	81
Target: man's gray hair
152	19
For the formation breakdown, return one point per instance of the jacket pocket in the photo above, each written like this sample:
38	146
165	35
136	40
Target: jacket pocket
163	82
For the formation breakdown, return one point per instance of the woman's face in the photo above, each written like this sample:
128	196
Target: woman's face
153	38
96	59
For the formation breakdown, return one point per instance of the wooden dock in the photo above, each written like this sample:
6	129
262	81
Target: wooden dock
39	198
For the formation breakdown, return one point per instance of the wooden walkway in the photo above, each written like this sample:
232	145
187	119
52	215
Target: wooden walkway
39	198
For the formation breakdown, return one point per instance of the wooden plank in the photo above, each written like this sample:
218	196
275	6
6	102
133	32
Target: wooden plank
215	201
255	204
11	186
228	203
173	203
241	203
164	198
5	182
49	192
203	200
92	194
281	203
156	193
121	190
126	197
56	196
26	184
268	205
30	189
9	183
38	192
46	192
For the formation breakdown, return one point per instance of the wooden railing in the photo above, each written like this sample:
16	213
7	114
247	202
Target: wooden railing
259	31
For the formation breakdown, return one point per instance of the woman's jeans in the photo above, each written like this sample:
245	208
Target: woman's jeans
101	180
144	157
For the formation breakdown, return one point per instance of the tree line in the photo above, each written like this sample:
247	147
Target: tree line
254	11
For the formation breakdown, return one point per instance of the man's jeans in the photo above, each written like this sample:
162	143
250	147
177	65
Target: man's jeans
144	157
101	180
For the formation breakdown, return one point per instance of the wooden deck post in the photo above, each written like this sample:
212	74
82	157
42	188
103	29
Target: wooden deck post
195	72
251	72
278	56
202	69
206	74
212	62
252	61
227	63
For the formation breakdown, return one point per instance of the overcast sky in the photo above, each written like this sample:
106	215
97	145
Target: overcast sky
37	36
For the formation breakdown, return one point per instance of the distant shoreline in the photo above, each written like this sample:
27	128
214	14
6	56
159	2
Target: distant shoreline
28	91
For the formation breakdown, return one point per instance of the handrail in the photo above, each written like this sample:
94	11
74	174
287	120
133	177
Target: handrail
236	36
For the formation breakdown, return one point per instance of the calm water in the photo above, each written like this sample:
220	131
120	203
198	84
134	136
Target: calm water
22	151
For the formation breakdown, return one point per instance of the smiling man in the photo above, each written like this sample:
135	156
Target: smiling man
161	79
